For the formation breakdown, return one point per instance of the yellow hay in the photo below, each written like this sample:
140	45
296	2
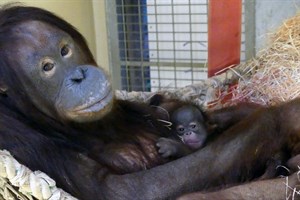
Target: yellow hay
274	75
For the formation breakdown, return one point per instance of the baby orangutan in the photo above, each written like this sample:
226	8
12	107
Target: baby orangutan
187	124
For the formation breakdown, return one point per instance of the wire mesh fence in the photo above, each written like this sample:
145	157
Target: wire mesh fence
161	44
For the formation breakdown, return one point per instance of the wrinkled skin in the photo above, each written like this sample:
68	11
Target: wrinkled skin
57	116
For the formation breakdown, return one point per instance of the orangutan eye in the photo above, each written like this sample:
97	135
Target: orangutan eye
193	125
48	66
65	51
180	129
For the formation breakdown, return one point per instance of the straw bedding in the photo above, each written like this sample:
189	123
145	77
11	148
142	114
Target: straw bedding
274	75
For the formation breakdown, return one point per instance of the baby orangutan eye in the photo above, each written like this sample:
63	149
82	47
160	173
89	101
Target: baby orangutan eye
193	126
65	51
180	129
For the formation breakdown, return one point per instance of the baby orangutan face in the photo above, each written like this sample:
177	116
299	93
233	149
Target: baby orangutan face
188	124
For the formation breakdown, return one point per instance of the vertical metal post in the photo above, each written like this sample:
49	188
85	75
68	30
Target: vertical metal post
115	64
250	21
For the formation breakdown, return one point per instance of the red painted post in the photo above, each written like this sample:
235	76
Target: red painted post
224	34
